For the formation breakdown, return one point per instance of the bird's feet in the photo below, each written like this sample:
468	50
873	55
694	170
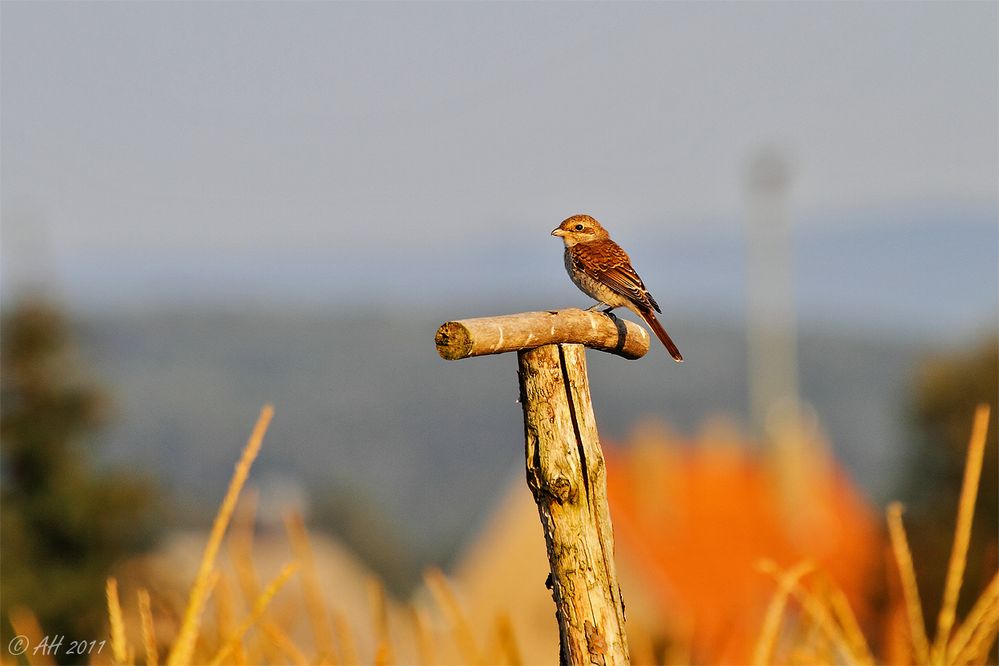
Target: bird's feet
607	308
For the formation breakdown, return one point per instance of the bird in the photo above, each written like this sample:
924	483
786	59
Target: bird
603	271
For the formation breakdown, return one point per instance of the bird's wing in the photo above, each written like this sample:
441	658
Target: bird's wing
604	260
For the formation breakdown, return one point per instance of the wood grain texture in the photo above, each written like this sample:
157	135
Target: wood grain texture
528	330
566	474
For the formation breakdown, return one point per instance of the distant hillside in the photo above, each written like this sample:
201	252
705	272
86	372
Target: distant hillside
378	429
914	271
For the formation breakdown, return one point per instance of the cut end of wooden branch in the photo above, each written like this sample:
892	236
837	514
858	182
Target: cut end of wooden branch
453	341
516	332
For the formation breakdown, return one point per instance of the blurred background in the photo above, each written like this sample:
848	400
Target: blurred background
206	207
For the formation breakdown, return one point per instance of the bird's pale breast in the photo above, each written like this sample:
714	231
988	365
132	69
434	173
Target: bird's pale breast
592	287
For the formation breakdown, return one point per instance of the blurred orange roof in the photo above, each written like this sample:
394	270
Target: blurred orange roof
694	519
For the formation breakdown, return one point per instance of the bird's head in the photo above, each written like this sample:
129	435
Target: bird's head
579	229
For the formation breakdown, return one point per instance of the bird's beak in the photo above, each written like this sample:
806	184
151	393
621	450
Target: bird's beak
558	231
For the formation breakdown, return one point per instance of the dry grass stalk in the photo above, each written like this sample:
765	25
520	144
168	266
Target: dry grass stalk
986	607
983	635
448	603
380	622
848	621
896	646
678	653
258	610
184	646
148	627
823	636
225	617
222	601
641	643
345	638
910	590
847	648
962	533
507	640
383	655
284	643
318	615
424	639
119	644
988	639
642	646
240	545
201	642
826	634
763	654
25	623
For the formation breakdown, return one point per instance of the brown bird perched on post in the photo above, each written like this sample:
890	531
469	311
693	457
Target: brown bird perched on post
602	270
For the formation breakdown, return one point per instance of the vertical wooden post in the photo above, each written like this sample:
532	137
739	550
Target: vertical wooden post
565	466
565	471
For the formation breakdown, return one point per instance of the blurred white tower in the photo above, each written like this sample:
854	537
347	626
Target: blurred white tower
773	347
784	424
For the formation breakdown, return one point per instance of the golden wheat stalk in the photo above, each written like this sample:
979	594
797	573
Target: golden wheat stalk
984	637
258	611
962	533
981	633
240	545
25	624
380	622
148	627
823	634
421	629
224	618
345	638
987	603
318	616
835	635
284	644
910	590
183	647
240	548
763	653
119	645
826	624
507	640
848	621
448	603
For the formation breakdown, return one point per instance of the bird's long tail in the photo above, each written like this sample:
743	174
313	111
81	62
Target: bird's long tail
657	328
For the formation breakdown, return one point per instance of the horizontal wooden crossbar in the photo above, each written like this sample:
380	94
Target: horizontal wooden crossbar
495	335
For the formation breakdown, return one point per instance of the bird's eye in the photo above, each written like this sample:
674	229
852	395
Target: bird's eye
579	227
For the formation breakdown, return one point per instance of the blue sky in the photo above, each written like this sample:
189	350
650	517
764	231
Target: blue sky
143	142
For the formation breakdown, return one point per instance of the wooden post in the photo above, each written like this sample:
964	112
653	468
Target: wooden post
565	466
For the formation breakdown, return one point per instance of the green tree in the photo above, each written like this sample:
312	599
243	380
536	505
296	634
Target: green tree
63	524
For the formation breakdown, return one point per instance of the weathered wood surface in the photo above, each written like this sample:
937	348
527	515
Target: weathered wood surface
528	330
566	474
565	466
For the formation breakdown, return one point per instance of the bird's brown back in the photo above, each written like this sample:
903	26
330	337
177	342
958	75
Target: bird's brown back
606	261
